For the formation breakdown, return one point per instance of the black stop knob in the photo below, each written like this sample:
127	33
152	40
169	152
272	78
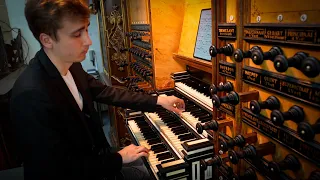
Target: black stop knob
225	144
310	67
270	103
290	162
315	175
247	152
212	125
226	50
307	131
215	161
239	55
295	113
232	98
239	140
258	56
227	87
281	63
249	174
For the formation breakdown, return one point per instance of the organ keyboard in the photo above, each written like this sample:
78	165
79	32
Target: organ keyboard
172	139
193	88
164	162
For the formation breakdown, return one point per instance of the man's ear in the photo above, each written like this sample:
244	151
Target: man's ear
46	40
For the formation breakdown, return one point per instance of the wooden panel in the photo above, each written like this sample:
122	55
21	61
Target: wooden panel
231	11
139	12
166	20
190	25
194	62
291	11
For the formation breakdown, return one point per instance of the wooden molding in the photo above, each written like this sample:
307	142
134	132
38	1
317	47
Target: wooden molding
194	62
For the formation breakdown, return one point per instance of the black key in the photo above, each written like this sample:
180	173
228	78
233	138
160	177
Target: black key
154	141
185	137
157	146
161	149
167	160
183	131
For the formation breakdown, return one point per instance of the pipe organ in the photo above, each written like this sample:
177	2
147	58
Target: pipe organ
247	70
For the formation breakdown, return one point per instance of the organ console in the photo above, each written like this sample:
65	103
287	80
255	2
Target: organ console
270	103
258	56
227	142
295	113
307	131
251	151
213	89
226	50
289	163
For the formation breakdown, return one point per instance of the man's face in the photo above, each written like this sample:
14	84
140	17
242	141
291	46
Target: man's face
73	41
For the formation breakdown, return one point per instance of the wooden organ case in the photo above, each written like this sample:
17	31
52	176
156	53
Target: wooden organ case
252	111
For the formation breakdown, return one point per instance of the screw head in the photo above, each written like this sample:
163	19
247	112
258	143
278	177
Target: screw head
258	18
231	17
280	17
303	17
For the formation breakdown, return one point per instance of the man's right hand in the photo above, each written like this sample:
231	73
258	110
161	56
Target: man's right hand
132	152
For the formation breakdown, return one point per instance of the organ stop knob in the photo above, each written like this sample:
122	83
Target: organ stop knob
226	50
295	113
258	56
289	163
270	103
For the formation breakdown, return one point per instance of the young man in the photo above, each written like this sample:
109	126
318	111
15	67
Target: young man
58	134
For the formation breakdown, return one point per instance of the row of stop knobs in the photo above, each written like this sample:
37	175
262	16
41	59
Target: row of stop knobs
252	152
139	52
136	35
142	70
308	65
295	113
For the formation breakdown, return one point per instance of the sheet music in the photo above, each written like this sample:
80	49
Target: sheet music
204	36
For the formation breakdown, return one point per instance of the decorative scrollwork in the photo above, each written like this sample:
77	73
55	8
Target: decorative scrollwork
116	38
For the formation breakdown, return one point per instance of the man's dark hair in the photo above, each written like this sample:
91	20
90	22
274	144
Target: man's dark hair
46	16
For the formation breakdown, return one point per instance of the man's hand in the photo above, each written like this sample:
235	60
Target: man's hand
171	103
132	152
